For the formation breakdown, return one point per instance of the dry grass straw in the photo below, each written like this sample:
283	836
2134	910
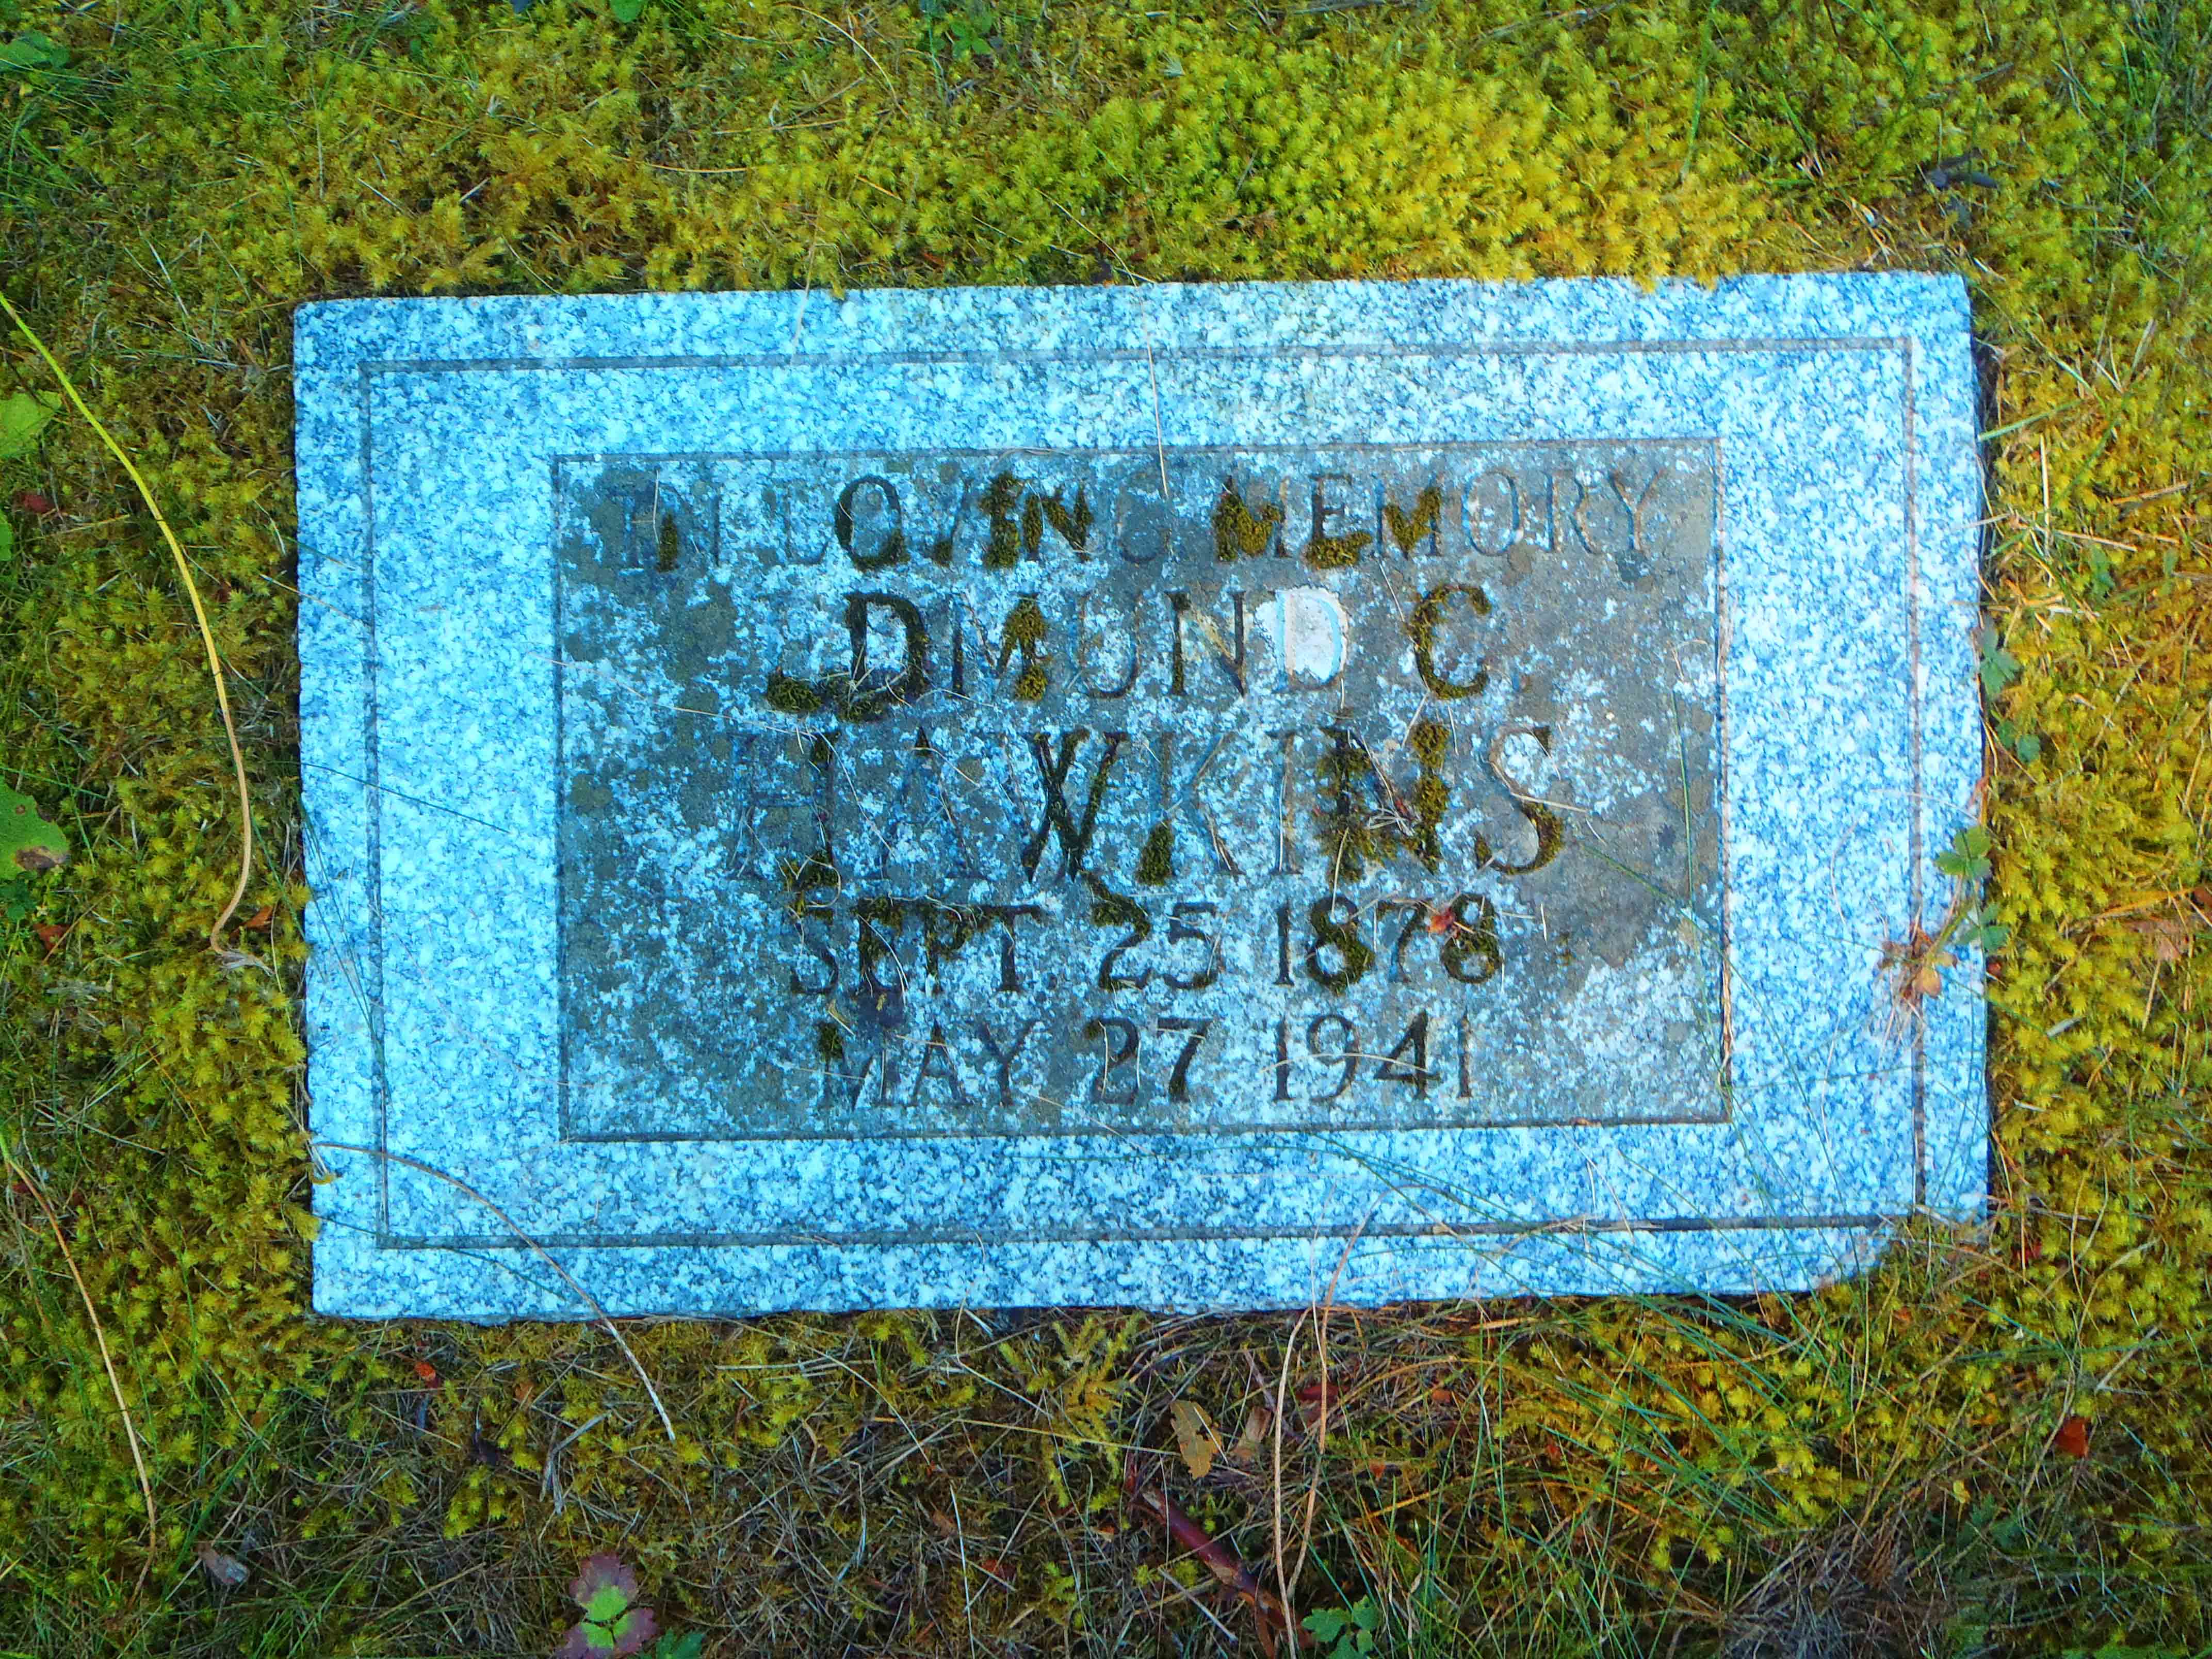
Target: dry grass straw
199	615
599	1312
37	1188
20	1171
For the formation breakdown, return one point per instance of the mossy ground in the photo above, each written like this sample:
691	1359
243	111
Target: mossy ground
1889	1459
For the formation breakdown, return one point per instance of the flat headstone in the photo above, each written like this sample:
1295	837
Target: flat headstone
1181	796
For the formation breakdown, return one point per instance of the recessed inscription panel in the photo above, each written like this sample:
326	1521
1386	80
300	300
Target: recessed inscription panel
1247	789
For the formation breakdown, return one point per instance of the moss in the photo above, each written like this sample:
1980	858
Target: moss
194	172
1349	841
1118	911
1237	531
1421	623
1431	795
1336	552
1001	498
1335	920
1072	525
788	694
1366	817
1024	632
1156	863
1025	625
828	1042
816	873
1406	528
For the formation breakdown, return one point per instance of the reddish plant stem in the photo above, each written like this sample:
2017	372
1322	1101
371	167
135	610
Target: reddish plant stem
1219	1559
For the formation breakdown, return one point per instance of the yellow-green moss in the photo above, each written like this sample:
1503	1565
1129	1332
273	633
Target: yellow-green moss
1156	863
788	694
1237	531
1327	552
1420	626
1025	631
1002	549
1408	529
941	1484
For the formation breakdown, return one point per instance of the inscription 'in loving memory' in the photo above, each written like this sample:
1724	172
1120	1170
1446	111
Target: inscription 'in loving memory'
955	793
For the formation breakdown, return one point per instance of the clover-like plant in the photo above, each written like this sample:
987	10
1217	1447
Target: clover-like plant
614	1625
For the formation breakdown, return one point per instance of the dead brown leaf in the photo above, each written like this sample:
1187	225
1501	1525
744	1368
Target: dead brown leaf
2170	937
1257	1422
227	1570
1196	1437
2073	1437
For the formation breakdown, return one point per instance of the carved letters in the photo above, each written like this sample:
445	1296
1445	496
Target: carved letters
1107	787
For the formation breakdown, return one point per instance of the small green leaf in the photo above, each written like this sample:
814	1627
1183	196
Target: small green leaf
1328	1624
32	50
29	844
2000	668
605	1604
627	11
2100	574
7	539
1967	857
23	416
2025	745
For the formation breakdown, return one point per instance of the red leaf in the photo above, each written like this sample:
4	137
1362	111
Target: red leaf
425	1370
51	934
2073	1437
31	501
636	1629
603	1572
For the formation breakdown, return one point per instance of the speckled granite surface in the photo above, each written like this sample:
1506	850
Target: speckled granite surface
440	446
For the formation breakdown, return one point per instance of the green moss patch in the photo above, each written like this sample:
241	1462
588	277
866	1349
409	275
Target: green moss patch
1994	1440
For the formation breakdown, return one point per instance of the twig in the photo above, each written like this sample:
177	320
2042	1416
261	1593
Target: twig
590	1301
100	1337
199	614
1219	1560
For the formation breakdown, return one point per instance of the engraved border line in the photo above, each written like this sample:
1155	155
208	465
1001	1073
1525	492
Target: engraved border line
1840	344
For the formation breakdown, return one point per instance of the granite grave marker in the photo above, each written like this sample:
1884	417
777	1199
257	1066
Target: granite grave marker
1133	796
